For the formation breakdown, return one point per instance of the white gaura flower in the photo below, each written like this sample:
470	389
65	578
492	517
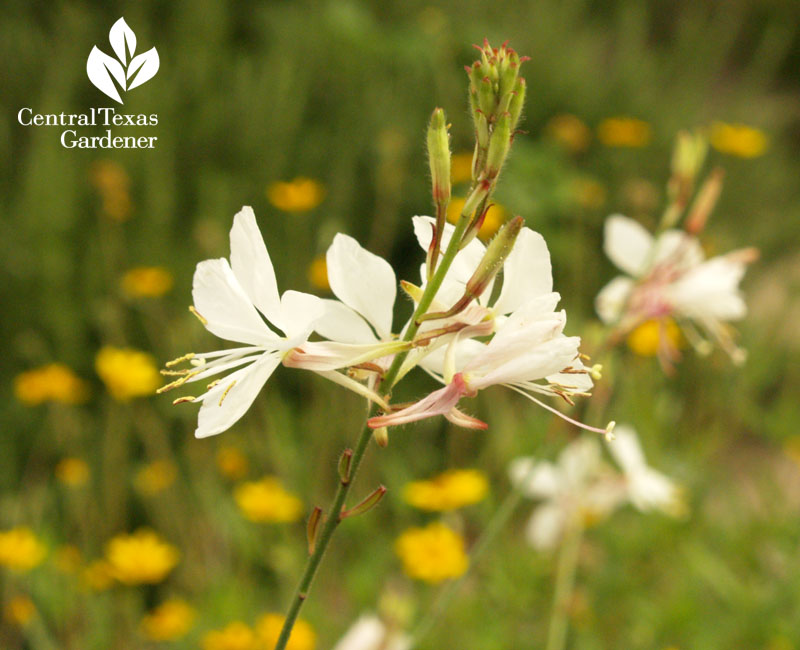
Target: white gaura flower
669	277
579	490
369	633
528	353
233	300
647	488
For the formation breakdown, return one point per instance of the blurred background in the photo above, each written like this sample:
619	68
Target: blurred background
314	113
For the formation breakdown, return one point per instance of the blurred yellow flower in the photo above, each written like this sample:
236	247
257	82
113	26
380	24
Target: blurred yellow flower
267	501
232	463
20	549
569	131
67	559
113	184
171	620
54	382
461	168
19	610
738	140
142	557
127	373
97	575
645	340
72	472
318	273
624	132
155	477
234	636
450	490
147	282
298	195
589	193
495	217
269	627
433	553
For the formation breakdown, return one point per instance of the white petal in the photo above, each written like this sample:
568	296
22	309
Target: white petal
252	266
220	299
580	461
545	359
363	281
527	272
342	324
300	313
612	299
628	244
678	248
367	633
711	289
649	489
546	526
626	450
224	404
541	480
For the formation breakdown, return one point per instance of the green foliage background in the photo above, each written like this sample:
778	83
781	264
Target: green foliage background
250	93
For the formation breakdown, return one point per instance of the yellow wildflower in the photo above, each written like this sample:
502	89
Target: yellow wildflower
433	553
569	131
19	610
299	195
73	472
51	383
147	282
267	501
127	373
171	620
589	193
318	273
624	132
20	549
450	490
142	557
269	627
113	184
155	477
232	463
495	217
97	575
67	559
234	636
645	340
738	140
461	168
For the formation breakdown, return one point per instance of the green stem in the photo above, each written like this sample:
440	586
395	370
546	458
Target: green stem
334	514
565	584
446	595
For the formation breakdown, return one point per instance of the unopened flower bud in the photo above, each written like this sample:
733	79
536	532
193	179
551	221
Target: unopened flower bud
689	154
499	144
494	258
517	102
705	201
381	436
439	157
366	505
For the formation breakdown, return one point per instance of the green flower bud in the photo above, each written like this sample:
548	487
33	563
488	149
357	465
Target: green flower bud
517	102
439	157
494	257
499	144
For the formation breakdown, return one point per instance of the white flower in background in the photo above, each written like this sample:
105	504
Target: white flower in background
581	489
233	300
647	488
668	276
369	633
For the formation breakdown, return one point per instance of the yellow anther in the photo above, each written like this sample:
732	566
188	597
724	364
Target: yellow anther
178	382
213	383
609	433
175	362
182	400
200	317
227	390
596	371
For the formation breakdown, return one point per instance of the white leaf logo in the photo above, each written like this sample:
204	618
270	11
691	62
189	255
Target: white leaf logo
127	70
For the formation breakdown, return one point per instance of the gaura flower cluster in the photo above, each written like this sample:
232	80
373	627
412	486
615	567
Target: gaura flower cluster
486	313
582	489
238	300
